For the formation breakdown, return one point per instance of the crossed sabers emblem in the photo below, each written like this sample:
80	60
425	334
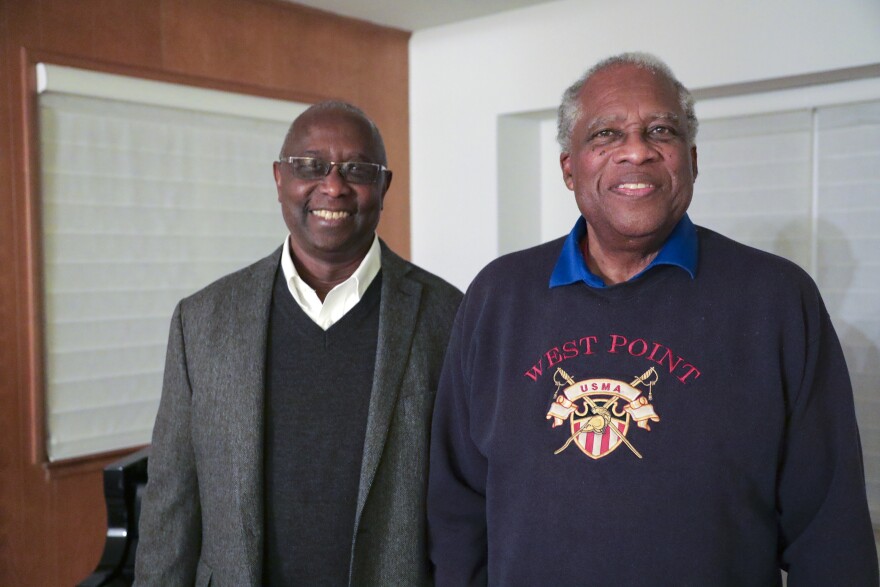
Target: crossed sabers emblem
599	417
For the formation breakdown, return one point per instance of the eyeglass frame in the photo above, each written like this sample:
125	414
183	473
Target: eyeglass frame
340	166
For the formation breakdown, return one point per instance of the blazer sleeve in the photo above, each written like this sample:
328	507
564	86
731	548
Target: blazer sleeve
170	521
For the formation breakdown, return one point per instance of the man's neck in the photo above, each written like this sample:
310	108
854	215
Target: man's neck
616	265
322	275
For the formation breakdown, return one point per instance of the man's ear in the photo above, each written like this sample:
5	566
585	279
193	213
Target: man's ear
276	171
694	161
386	185
565	164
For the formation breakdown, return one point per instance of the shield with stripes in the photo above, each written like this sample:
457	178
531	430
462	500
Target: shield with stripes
600	430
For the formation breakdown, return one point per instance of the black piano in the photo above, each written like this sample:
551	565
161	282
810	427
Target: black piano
124	482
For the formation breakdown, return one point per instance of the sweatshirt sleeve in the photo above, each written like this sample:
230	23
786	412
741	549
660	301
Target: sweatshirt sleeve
824	523
457	478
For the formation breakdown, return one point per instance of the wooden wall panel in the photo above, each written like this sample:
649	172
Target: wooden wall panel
52	518
12	450
138	23
192	45
67	28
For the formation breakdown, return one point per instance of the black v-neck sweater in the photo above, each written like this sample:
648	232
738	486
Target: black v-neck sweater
318	387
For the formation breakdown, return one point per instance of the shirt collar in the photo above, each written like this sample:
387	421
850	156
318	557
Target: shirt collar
341	298
680	250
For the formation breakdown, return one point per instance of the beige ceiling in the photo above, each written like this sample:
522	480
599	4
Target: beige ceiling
413	15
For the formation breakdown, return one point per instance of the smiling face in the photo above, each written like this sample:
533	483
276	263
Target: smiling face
630	165
331	221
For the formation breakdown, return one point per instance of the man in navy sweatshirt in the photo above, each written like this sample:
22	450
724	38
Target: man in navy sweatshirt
644	402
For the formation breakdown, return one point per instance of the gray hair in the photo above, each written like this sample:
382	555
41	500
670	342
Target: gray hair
338	106
570	108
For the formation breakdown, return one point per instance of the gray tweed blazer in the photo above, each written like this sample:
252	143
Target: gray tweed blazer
202	518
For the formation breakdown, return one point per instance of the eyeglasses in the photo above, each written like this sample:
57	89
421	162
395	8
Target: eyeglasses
311	169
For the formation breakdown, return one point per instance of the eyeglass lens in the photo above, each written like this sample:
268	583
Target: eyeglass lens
311	168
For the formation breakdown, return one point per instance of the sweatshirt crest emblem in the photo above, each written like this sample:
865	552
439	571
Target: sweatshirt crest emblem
599	411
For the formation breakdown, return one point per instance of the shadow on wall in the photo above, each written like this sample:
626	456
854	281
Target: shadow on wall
850	299
837	268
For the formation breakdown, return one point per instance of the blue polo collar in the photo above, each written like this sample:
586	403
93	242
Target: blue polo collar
680	250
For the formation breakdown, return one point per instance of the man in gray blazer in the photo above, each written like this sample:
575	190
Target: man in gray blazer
290	445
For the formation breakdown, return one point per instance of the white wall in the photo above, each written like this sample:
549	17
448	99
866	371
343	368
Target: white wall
464	76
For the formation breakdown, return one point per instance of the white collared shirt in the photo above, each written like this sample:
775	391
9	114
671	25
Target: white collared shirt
341	298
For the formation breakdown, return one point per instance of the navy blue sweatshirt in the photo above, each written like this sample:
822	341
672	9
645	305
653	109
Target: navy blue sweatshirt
663	431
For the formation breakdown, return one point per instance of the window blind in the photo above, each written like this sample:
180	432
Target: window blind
848	260
142	204
805	184
754	181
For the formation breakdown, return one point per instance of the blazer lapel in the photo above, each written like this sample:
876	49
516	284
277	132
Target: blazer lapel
398	309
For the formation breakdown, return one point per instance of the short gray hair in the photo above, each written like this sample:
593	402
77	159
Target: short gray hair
570	108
